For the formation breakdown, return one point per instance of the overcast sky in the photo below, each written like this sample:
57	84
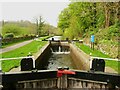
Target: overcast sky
30	10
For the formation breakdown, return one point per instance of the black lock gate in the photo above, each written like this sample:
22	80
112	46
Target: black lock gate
26	64
98	65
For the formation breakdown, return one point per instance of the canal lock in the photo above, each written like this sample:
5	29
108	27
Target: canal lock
61	54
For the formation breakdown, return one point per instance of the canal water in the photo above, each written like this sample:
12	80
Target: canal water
60	60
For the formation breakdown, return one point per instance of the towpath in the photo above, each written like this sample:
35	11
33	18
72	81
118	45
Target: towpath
3	50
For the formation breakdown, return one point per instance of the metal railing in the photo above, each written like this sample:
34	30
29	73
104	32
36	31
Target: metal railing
16	58
105	58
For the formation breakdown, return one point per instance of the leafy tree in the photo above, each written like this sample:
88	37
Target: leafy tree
83	19
79	19
64	19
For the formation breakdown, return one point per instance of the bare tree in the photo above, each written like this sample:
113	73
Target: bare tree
39	25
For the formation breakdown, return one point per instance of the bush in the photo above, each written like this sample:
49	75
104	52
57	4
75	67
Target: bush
9	35
113	30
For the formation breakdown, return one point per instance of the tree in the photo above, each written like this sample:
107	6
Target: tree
39	25
111	12
11	28
64	19
77	18
50	30
19	28
82	19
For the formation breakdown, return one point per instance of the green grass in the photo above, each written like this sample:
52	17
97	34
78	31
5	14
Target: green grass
32	47
113	64
19	41
88	50
96	53
10	64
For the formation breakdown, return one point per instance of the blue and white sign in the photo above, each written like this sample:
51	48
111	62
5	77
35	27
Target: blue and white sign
92	38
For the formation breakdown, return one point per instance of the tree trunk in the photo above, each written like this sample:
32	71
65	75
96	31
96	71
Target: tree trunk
37	27
116	12
107	16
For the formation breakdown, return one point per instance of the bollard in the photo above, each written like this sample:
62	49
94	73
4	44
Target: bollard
52	39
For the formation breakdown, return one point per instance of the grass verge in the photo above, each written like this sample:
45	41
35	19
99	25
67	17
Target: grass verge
96	53
19	41
13	43
32	47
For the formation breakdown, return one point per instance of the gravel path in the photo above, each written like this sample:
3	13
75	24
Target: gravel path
14	46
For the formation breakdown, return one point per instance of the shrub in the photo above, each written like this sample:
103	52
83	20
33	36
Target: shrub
9	35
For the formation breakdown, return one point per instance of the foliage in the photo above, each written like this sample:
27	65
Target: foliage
79	20
11	41
9	35
39	25
45	28
11	28
50	30
19	29
82	19
64	19
111	34
23	28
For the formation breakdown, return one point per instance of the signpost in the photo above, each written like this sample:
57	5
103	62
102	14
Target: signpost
92	41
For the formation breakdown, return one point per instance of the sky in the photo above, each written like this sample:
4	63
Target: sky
15	11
